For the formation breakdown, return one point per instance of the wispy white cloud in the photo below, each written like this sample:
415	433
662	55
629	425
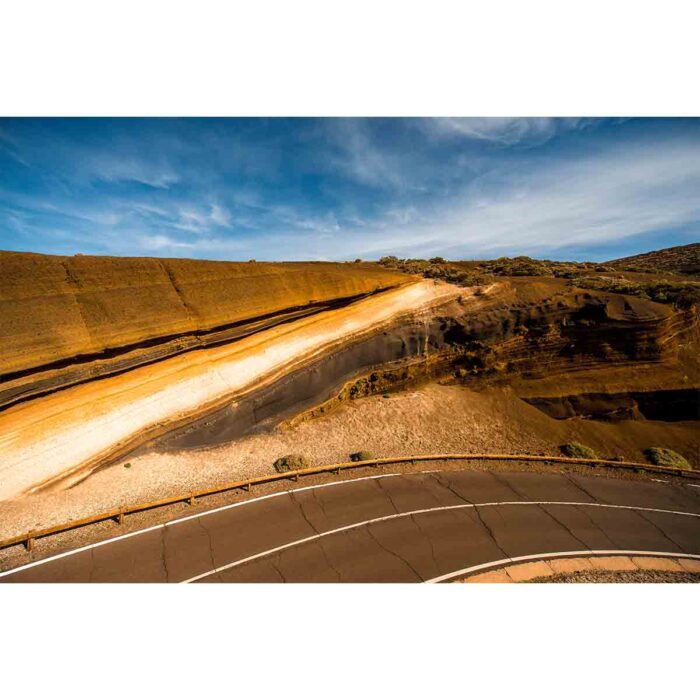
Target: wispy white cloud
359	156
623	193
130	169
507	131
159	242
216	247
12	147
220	215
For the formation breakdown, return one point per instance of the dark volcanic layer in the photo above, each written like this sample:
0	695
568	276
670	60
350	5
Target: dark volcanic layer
669	405
521	328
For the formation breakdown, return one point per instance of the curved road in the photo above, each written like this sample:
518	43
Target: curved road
427	526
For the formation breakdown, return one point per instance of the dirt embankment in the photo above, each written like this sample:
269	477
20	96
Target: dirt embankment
64	320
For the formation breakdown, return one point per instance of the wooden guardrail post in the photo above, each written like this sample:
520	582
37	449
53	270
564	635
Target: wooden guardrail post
120	517
190	500
29	544
246	487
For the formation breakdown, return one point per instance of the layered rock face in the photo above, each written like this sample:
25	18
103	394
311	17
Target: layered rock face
541	336
68	319
536	327
82	426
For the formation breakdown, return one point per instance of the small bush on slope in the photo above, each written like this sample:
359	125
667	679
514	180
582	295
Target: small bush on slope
579	451
664	457
290	463
361	456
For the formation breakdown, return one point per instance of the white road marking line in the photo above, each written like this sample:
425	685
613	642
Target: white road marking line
556	555
660	481
280	493
694	486
191	517
394	516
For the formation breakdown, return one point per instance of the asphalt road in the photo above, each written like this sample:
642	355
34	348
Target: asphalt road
393	528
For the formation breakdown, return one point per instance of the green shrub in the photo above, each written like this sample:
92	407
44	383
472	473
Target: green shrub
389	261
579	451
361	456
127	465
290	463
664	457
521	266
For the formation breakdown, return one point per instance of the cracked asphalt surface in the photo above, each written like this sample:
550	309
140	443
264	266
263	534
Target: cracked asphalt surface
404	545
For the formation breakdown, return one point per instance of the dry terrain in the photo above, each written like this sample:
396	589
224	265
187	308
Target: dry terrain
125	380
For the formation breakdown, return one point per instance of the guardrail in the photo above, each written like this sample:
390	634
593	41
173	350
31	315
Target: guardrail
118	514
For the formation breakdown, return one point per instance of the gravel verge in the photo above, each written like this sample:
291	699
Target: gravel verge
621	577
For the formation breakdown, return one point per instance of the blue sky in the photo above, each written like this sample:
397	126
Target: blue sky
315	189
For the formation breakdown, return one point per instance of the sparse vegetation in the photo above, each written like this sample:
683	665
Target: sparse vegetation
127	465
663	457
522	266
682	294
684	259
578	451
290	463
437	268
361	456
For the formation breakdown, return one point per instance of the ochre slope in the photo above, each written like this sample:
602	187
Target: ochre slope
56	309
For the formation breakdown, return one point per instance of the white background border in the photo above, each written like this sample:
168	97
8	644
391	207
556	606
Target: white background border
348	58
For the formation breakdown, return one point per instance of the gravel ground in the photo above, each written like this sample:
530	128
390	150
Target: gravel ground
621	577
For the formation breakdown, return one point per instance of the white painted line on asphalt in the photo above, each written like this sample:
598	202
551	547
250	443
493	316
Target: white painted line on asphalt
394	516
694	486
279	493
556	555
190	517
660	481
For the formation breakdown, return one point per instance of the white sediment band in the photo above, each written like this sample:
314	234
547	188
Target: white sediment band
73	429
